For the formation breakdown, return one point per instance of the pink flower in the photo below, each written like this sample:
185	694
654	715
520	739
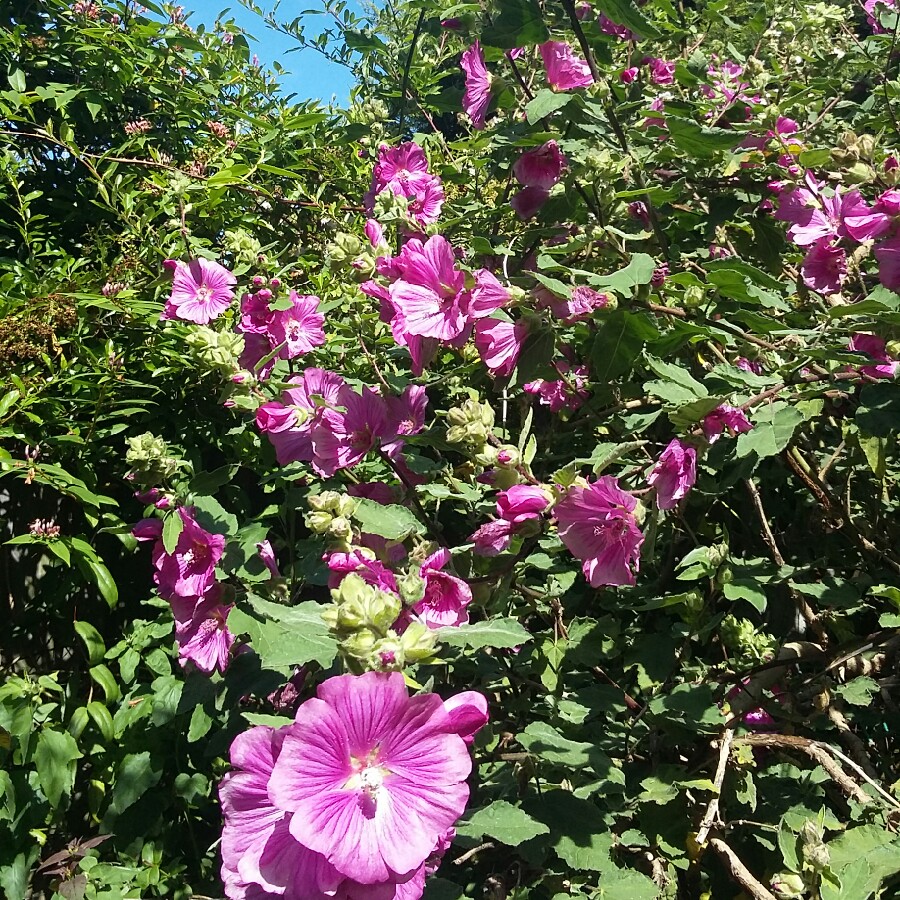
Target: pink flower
468	713
661	72
754	367
487	296
201	291
342	439
873	9
674	473
541	167
528	201
370	778
405	416
267	555
562	394
289	423
580	305
521	502
825	267
299	327
597	524
874	347
446	596
607	26
628	76
477	97
888	256
499	343
370	570
492	538
203	637
722	417
430	296
188	572
403	171
565	71
863	222
812	215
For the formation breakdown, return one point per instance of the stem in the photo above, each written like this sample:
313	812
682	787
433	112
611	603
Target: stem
408	65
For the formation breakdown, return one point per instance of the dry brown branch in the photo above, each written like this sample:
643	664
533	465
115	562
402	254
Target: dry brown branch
740	872
712	811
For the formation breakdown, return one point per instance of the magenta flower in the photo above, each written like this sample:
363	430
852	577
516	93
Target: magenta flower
722	417
487	296
492	538
812	216
568	393
267	555
370	570
628	76
299	327
541	167
597	524
674	473
499	343
202	635
405	416
862	221
565	71
661	72
430	296
874	347
342	439
289	423
888	255
403	171
189	572
528	202
201	291
446	596
607	26
370	777
521	502
477	97
825	267
583	302
468	713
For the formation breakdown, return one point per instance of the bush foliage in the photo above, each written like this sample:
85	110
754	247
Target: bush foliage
642	407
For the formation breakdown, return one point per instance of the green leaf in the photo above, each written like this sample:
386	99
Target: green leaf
748	589
54	759
617	346
544	741
92	641
8	400
624	12
17	80
878	414
639	271
283	646
503	822
859	691
304	621
700	141
519	23
135	775
853	882
544	104
95	571
773	428
578	832
102	675
389	521
626	884
102	719
173	525
499	633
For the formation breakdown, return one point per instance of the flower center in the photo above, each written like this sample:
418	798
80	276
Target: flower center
204	293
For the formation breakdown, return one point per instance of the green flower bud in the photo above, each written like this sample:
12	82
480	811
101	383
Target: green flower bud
318	522
326	501
504	479
345	505
340	529
508	456
788	886
359	645
486	456
866	146
411	587
418	642
217	351
387	655
693	296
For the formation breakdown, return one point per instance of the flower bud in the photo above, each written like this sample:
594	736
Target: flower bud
325	501
418	642
508	456
340	529
788	886
345	505
411	587
318	522
387	655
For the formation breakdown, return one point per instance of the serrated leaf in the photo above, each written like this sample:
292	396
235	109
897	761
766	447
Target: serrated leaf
859	691
544	104
54	760
503	822
389	521
624	12
773	428
499	633
700	141
519	23
638	271
282	646
578	833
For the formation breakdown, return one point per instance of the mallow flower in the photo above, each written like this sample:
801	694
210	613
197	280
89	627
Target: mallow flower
722	417
874	347
298	328
597	524
674	473
565	70
499	343
477	97
354	799
201	291
201	631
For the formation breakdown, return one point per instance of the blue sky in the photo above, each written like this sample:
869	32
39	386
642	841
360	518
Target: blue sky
308	74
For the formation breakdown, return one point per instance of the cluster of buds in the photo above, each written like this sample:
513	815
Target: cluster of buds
216	351
363	619
112	288
391	209
329	515
138	126
815	857
345	250
242	245
86	8
505	461
744	639
854	153
44	528
471	425
148	456
219	129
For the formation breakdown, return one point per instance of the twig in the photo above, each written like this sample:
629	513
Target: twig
818	752
488	845
740	872
892	801
406	68
712	811
805	610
